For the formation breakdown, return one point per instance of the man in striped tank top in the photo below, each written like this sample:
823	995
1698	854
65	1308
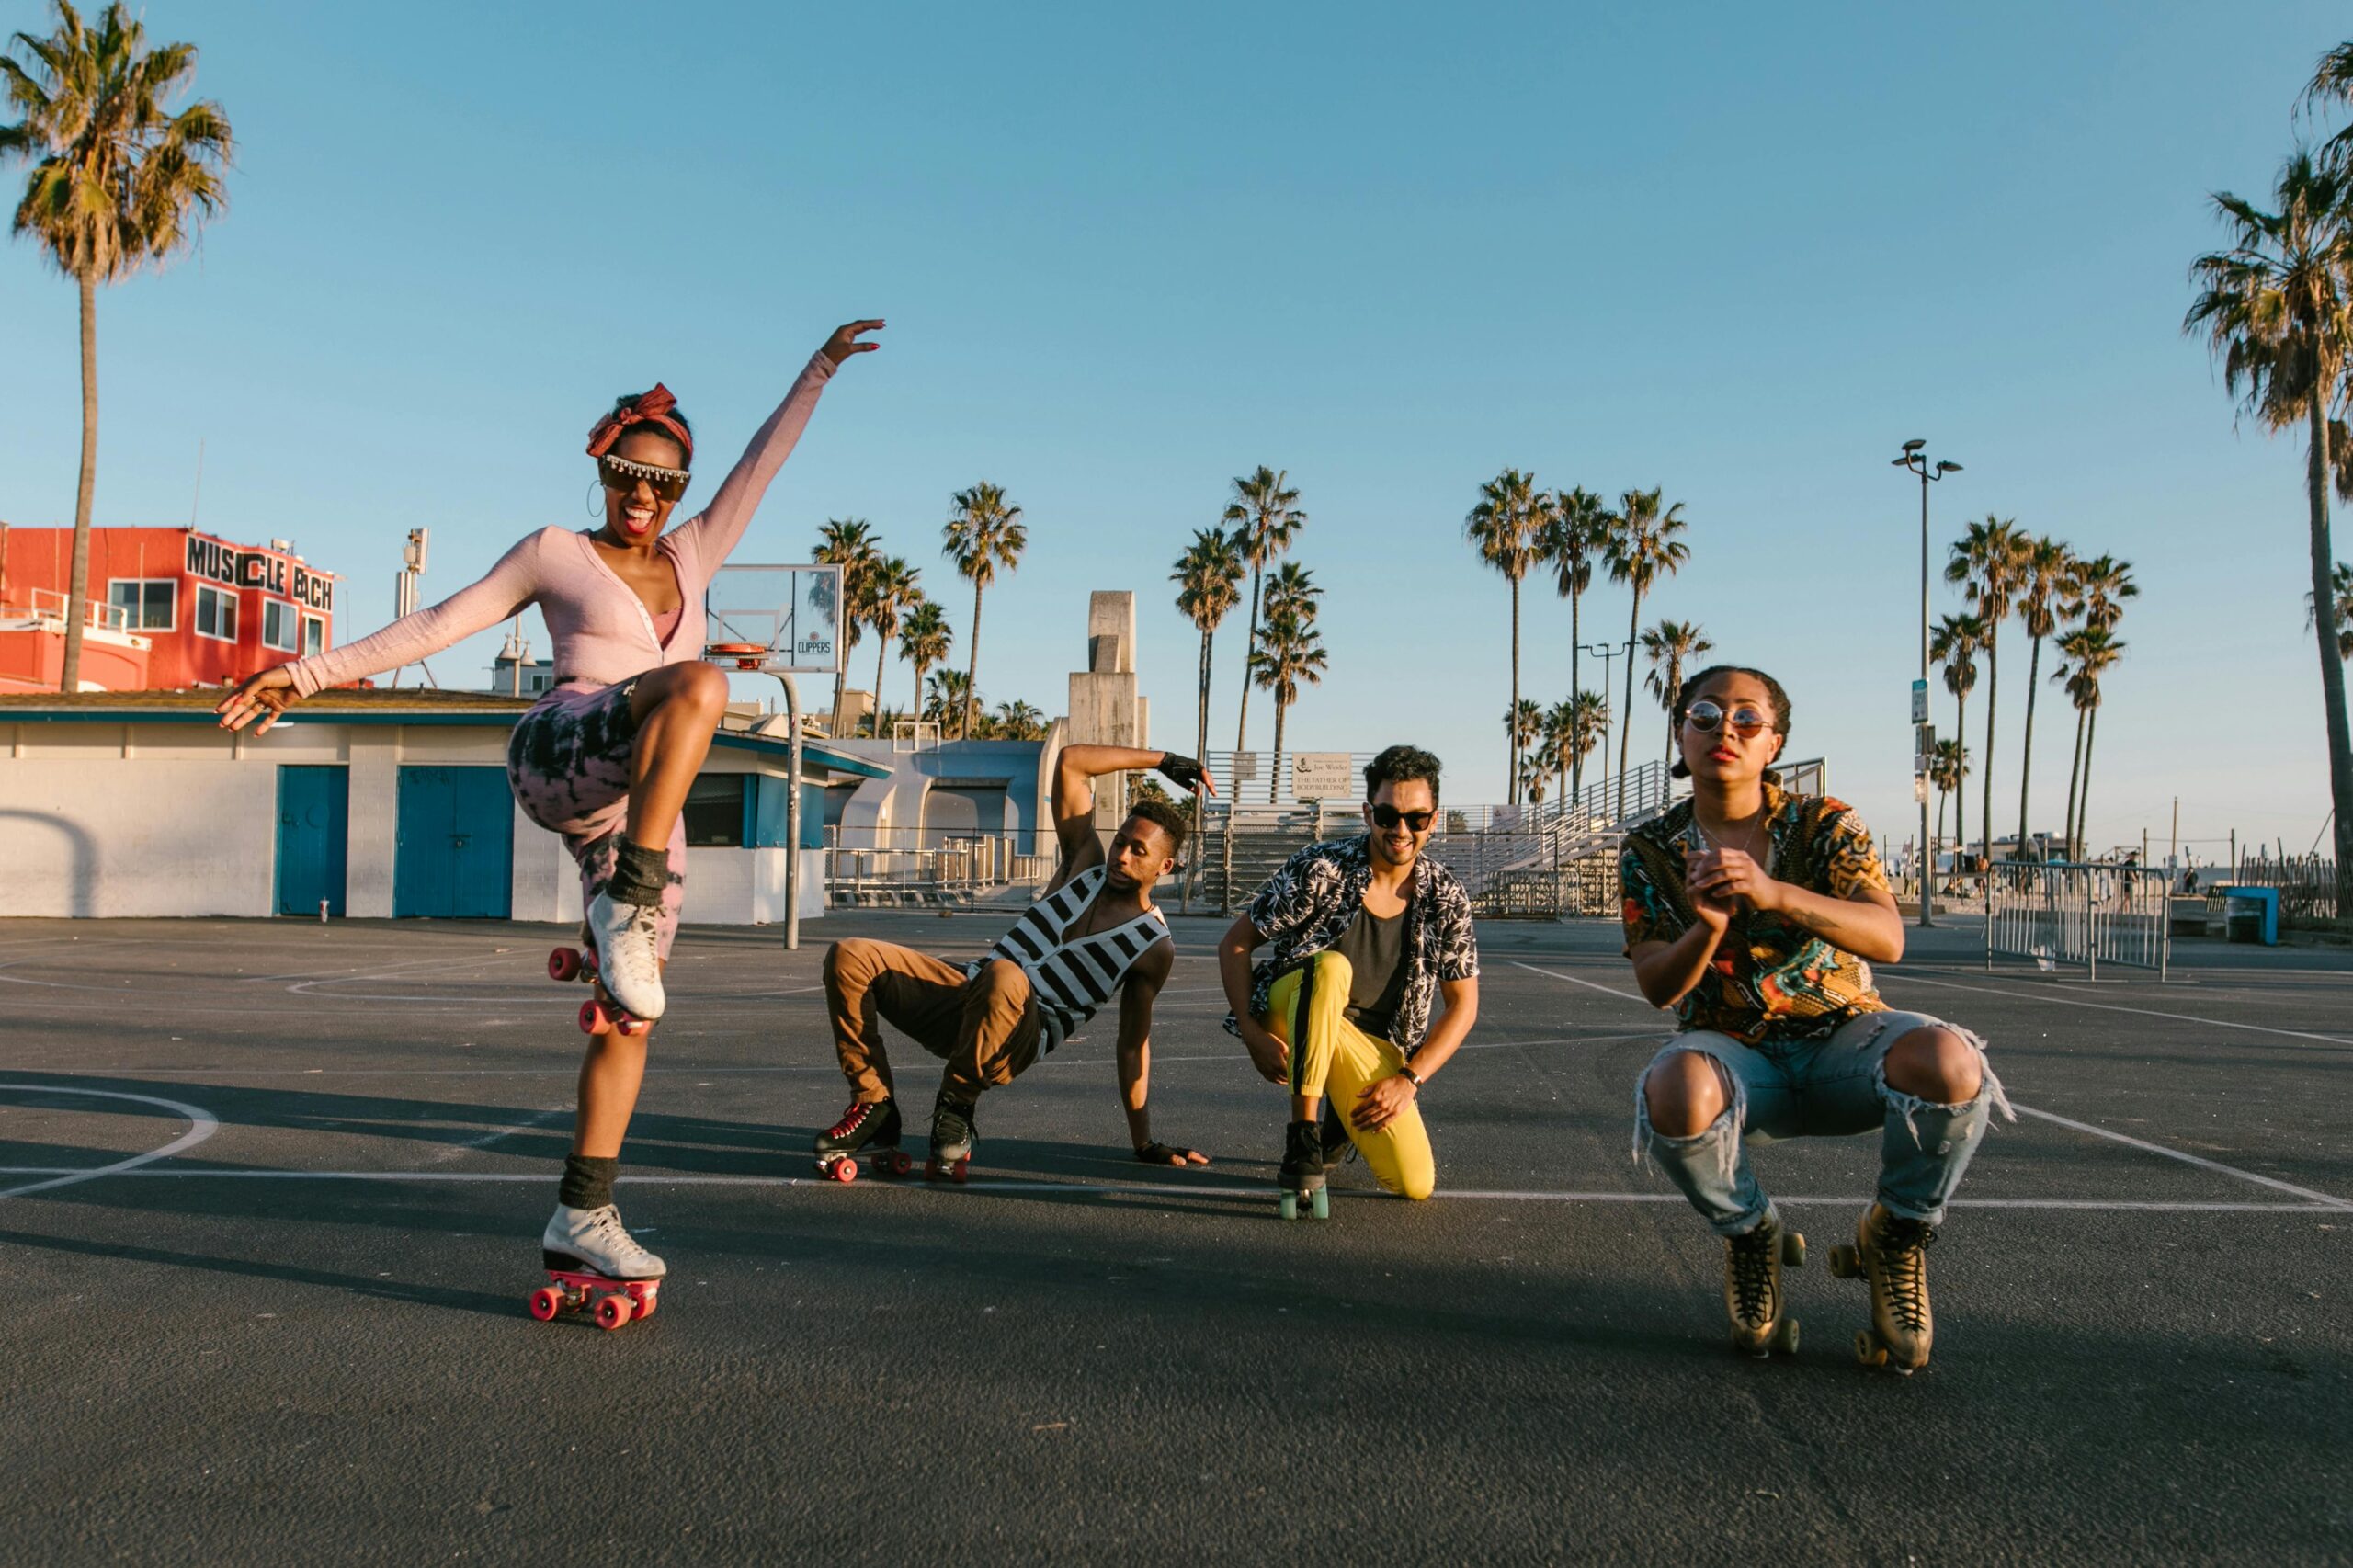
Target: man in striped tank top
1093	934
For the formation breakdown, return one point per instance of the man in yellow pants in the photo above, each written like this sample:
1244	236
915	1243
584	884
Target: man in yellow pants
1365	935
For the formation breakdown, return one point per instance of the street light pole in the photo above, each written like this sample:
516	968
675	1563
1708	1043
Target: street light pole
1606	652
1923	732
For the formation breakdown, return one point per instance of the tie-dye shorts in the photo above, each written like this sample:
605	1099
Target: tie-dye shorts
569	763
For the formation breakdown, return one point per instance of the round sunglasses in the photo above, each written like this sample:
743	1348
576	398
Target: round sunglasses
1746	719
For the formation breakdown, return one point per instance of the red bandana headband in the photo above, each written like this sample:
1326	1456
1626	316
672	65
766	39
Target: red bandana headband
648	408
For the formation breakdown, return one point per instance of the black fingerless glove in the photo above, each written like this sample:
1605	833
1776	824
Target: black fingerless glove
1182	771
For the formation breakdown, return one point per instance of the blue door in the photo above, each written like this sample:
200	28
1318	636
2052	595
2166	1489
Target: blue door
454	857
313	816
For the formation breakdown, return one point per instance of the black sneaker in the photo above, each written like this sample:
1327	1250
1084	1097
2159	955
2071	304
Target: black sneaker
866	1122
951	1139
1302	1169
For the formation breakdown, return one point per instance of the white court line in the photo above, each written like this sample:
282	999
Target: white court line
2321	1198
2113	1007
2185	1158
487	1139
1046	1187
201	1126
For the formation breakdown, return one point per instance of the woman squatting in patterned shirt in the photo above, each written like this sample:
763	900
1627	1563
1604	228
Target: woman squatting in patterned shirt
1755	915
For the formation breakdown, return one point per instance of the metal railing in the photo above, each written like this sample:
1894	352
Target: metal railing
2059	913
930	866
47	609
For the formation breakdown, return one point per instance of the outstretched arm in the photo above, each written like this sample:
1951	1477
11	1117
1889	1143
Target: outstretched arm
1075	770
711	533
1136	996
503	593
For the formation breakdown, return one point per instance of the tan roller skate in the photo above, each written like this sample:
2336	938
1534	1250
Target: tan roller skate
1753	1297
1890	1252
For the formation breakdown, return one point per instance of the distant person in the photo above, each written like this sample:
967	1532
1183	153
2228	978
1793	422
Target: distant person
1368	934
1755	915
606	757
1093	935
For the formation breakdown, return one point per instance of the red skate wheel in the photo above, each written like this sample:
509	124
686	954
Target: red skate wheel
627	1024
646	1303
956	1172
612	1311
563	963
594	1019
844	1171
900	1164
546	1301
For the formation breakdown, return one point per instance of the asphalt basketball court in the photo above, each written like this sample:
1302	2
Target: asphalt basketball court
272	1191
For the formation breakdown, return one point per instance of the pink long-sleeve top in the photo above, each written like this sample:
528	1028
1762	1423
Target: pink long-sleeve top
602	631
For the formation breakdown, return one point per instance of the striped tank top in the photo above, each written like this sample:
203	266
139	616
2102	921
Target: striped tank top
1073	977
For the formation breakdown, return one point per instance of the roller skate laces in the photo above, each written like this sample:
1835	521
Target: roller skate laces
628	942
594	1240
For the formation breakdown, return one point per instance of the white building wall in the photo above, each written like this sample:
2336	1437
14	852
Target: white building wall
120	820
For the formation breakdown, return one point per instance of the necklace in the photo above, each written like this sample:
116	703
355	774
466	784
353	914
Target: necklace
1747	844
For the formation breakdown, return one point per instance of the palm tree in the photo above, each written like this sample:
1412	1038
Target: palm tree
2045	567
1292	587
1671	645
2274	307
2340	585
850	544
1588	723
1535	772
1508	526
2094	597
983	532
1985	562
924	639
1642	548
890	590
1954	644
2090	652
951	701
118	184
1019	722
1209	584
1947	766
1290	650
1266	517
1574	533
1524	724
1552	739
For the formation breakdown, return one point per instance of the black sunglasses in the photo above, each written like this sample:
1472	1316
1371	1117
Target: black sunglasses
622	475
1390	816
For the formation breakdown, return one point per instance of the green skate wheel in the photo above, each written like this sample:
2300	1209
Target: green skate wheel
1287	1205
1785	1336
1868	1351
1322	1203
1792	1250
1845	1264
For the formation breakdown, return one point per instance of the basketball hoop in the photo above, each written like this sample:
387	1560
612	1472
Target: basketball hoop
741	655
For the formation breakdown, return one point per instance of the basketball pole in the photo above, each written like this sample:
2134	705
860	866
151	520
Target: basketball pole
791	815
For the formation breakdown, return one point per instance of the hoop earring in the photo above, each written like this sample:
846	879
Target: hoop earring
594	486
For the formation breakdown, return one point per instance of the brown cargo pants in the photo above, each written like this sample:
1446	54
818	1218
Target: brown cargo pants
986	1029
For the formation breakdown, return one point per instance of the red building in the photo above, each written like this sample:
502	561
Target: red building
169	608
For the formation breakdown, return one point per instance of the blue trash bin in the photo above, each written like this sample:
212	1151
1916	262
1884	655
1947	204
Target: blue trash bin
2251	914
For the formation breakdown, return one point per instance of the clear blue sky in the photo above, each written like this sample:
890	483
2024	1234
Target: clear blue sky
1127	255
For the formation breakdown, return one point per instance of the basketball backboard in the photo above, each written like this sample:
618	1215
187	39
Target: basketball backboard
791	612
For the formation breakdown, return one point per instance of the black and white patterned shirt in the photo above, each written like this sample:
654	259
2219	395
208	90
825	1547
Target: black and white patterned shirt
1306	906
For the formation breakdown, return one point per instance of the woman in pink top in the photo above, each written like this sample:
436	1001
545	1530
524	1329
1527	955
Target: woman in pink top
606	758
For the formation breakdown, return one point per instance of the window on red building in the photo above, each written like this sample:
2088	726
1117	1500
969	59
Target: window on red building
216	612
314	635
148	604
278	625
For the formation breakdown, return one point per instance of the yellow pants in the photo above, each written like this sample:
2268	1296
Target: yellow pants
1331	1056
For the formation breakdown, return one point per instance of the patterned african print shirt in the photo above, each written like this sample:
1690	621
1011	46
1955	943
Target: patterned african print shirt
1771	979
1305	907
